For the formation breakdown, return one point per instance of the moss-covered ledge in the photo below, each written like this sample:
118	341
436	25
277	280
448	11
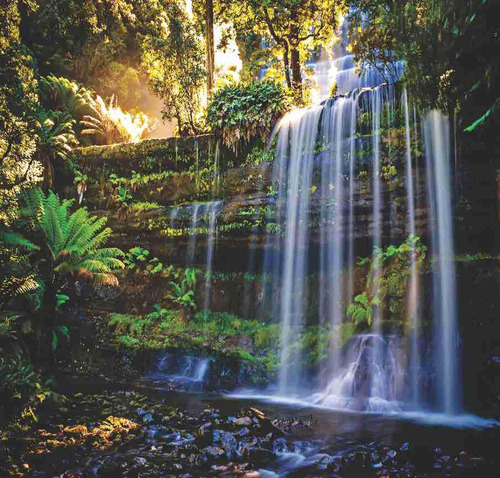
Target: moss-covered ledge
147	155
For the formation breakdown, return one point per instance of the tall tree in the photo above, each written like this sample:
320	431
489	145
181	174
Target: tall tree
297	28
210	44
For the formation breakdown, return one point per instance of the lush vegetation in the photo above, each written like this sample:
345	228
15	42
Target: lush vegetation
136	142
452	33
241	113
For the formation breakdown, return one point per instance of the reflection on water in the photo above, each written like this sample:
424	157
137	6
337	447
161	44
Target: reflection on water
335	433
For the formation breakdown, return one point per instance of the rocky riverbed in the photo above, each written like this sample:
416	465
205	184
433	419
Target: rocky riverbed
139	434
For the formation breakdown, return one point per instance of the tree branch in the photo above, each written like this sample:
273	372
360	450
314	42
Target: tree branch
7	151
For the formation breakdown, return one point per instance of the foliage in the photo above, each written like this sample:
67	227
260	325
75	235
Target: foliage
175	66
123	196
435	39
18	123
130	325
21	386
64	95
55	141
183	288
110	125
389	271
239	113
360	310
58	247
294	28
259	156
142	206
216	332
137	258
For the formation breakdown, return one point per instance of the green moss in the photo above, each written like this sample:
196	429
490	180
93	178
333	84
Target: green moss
139	207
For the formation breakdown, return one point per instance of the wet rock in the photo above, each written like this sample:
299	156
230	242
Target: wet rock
214	452
228	442
243	432
280	445
256	455
243	421
205	427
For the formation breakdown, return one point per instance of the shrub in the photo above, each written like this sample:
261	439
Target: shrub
239	113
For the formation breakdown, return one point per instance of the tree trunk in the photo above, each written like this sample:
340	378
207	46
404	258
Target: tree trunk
209	39
296	74
286	64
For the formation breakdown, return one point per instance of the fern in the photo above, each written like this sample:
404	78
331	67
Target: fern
71	242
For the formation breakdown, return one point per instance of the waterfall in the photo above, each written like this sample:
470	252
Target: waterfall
212	210
191	248
204	218
332	219
437	147
330	178
296	158
412	302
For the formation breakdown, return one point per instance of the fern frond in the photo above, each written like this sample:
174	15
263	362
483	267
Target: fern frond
16	240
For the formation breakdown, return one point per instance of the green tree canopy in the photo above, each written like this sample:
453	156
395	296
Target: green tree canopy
295	28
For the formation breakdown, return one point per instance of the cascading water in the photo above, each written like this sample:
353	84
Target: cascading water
437	146
413	289
192	235
204	217
183	371
213	211
371	362
294	161
321	154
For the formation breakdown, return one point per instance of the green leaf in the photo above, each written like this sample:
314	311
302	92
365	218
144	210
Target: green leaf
64	330
61	299
479	121
54	340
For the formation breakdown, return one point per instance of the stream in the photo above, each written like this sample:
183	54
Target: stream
145	431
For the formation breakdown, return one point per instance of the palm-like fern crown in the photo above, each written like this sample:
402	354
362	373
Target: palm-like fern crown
61	94
71	242
56	135
112	125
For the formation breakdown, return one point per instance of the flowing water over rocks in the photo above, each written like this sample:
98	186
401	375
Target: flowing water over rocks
132	434
181	372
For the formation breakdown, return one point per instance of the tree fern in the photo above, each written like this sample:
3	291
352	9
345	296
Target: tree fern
59	243
61	94
56	138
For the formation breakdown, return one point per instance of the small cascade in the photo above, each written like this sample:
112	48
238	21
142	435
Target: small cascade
349	78
342	76
192	235
370	376
202	219
180	371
